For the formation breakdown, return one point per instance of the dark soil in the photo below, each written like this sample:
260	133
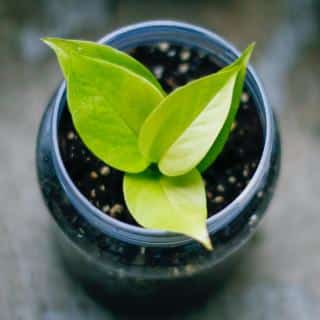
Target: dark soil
173	66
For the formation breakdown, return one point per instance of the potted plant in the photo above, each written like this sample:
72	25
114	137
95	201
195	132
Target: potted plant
138	141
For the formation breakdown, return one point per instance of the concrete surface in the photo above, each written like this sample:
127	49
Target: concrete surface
280	279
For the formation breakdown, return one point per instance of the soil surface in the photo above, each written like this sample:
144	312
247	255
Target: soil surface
173	66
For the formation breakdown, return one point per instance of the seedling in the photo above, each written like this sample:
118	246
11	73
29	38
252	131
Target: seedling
161	142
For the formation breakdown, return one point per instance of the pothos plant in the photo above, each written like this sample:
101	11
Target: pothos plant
161	142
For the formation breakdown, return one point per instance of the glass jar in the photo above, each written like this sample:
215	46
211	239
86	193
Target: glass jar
128	264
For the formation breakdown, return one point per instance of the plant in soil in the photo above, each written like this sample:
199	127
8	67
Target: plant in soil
162	142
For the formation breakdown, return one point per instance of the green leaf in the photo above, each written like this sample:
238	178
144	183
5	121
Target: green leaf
63	47
108	105
181	130
176	204
222	138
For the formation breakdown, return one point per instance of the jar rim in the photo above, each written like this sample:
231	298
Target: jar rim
139	235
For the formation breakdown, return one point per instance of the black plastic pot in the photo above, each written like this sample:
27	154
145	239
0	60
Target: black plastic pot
125	263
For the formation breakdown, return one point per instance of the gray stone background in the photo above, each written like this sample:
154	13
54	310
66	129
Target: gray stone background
280	277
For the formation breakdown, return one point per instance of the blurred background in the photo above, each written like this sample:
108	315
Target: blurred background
280	277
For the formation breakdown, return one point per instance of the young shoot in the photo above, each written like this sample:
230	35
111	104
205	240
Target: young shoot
161	142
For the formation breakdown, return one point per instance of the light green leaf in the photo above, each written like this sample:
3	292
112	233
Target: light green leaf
63	47
176	204
181	130
108	105
222	138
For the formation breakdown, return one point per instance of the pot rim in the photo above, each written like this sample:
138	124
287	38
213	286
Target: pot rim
147	237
